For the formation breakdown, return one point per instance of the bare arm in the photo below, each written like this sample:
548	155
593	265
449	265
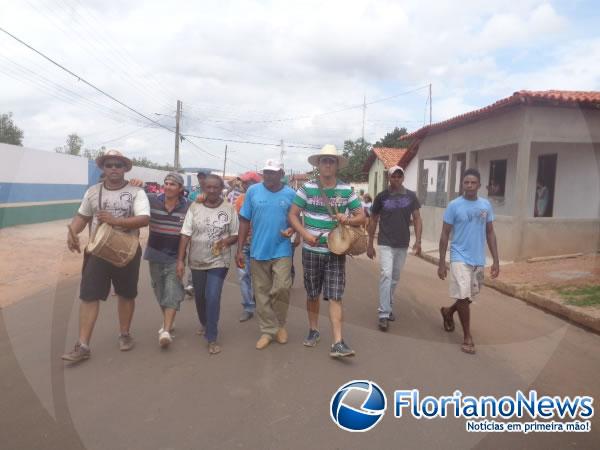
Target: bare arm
296	223
444	238
371	230
242	236
183	244
493	246
418	225
77	225
129	223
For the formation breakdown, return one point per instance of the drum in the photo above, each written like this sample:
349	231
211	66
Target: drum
339	240
116	247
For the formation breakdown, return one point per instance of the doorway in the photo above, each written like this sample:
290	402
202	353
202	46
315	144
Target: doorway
544	188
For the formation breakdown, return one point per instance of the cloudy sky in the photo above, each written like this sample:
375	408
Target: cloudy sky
266	71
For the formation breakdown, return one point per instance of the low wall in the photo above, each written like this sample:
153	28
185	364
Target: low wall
40	186
544	236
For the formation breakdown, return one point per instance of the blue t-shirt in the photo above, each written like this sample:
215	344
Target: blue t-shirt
267	212
468	219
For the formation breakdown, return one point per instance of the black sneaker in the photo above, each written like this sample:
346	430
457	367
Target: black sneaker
341	350
383	324
312	338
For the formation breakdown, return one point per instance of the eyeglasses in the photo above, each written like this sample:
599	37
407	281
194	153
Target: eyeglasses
114	165
328	160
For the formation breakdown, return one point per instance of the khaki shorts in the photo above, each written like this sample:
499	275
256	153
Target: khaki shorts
465	280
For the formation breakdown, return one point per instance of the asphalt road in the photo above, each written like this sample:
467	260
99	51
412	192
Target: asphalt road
279	398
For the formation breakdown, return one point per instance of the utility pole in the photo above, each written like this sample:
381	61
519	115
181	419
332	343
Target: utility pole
364	116
225	162
177	137
430	103
282	151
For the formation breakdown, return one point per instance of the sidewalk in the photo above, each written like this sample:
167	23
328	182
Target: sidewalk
538	283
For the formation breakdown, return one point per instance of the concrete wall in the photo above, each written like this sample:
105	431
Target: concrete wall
38	186
410	175
376	168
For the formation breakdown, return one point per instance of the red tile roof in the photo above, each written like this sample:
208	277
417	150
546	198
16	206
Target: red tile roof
553	97
583	99
388	156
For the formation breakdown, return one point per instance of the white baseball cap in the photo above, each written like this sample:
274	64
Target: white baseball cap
394	169
273	164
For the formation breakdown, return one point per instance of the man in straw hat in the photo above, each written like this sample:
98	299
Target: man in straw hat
393	209
167	212
266	207
125	207
325	271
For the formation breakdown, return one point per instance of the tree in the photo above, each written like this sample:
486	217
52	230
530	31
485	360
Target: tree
145	162
357	153
93	154
9	132
393	139
72	145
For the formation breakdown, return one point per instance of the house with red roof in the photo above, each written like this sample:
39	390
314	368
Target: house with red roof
538	153
379	161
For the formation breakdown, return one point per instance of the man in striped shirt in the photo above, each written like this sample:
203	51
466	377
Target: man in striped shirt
325	271
167	212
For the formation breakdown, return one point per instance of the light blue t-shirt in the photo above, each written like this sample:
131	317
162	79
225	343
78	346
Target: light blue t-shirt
267	212
468	219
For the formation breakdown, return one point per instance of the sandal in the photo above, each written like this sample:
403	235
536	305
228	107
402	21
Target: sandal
468	348
448	321
213	348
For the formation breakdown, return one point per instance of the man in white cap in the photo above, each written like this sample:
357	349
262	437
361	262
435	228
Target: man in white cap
125	207
393	209
325	271
167	213
265	208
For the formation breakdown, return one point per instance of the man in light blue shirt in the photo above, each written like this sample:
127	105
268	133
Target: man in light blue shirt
470	220
266	208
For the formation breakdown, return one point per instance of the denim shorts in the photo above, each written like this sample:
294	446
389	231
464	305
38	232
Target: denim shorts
167	287
324	272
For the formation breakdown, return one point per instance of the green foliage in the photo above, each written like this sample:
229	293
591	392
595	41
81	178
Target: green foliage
393	139
582	296
357	153
93	154
9	132
145	162
72	145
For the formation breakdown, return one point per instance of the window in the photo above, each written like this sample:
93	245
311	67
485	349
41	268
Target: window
497	180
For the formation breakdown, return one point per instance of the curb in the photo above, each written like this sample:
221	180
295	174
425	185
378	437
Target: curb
547	304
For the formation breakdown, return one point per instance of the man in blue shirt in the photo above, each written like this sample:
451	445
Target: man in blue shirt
470	220
266	208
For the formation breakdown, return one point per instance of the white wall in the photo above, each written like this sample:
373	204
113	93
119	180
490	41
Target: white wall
410	175
27	165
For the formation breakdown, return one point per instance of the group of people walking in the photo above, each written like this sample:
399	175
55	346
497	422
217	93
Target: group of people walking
265	221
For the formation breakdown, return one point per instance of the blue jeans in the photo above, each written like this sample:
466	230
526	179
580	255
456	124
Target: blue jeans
391	261
245	279
208	285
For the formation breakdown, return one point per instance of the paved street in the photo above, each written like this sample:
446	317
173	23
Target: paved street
279	398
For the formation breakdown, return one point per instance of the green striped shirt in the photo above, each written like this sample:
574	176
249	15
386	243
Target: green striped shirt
317	219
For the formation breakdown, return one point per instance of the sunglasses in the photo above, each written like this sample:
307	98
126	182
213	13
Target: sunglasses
114	165
328	160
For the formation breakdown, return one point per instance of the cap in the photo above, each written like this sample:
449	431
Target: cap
394	169
273	164
174	176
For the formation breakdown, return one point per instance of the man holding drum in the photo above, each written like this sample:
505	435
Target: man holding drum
323	270
125	208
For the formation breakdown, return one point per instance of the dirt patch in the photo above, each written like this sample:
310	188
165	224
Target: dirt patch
35	258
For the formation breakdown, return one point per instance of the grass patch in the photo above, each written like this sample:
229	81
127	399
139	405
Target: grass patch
581	296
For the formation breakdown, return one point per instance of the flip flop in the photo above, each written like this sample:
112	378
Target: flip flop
448	321
468	348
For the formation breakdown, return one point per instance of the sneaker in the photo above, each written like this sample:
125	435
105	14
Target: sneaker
125	342
189	290
383	324
164	339
392	317
281	336
341	350
312	338
79	353
172	332
263	342
246	315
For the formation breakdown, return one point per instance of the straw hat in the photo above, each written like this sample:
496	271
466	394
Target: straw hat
114	154
328	150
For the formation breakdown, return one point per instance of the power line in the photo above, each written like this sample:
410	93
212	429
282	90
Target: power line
83	80
250	142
